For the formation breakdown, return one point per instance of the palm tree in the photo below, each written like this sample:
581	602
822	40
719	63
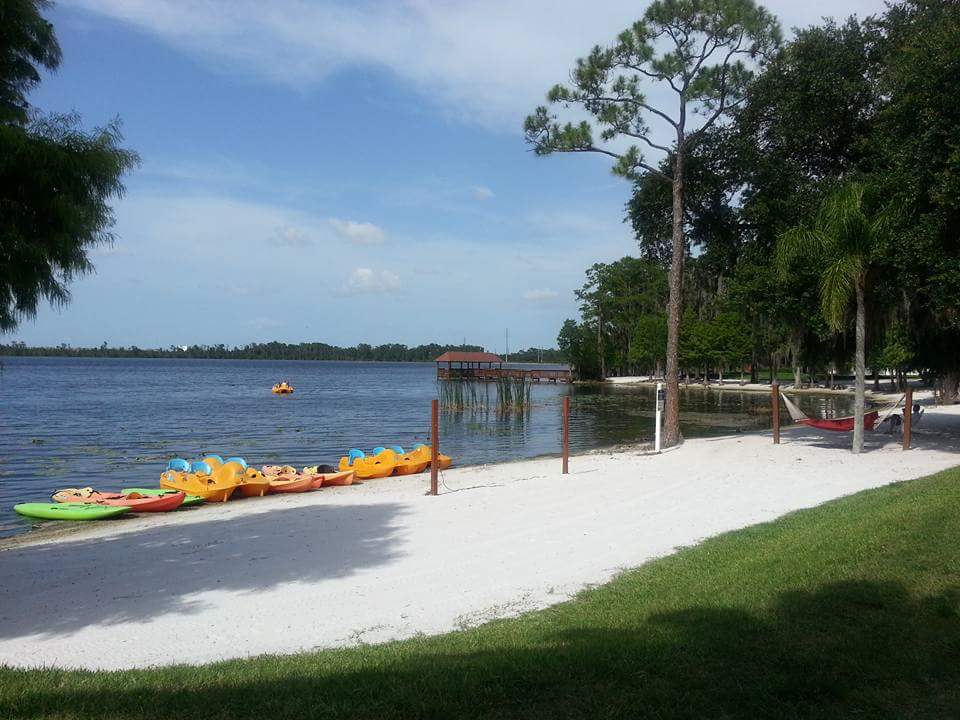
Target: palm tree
840	241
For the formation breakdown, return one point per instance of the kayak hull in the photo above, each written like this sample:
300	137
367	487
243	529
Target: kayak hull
147	503
298	484
188	500
338	479
69	511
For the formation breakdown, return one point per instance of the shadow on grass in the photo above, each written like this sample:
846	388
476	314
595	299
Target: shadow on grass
863	649
65	586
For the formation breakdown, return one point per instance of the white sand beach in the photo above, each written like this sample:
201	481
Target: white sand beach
371	563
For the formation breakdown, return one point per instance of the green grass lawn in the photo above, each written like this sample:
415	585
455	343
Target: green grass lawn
848	610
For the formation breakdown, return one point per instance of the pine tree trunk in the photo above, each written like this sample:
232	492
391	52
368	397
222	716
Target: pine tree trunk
600	357
671	429
860	369
949	391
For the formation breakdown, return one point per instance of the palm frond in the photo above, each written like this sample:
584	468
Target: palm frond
799	241
838	282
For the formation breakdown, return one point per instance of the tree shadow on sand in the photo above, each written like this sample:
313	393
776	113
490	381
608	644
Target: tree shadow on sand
67	585
863	649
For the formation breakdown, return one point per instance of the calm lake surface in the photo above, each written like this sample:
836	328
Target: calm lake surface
68	422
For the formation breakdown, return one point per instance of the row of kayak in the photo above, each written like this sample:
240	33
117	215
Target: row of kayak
214	479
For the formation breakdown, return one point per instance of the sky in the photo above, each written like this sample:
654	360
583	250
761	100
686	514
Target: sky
340	172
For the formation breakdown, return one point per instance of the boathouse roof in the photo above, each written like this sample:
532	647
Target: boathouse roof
469	357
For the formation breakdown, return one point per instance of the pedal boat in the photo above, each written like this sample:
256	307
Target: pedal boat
202	480
380	465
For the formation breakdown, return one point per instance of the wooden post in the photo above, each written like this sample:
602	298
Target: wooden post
907	417
566	434
775	401
434	444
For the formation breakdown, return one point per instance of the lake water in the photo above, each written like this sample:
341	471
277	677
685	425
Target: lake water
68	422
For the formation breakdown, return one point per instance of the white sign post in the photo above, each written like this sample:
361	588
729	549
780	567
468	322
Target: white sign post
661	401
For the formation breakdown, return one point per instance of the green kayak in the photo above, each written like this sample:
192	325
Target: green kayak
69	511
188	500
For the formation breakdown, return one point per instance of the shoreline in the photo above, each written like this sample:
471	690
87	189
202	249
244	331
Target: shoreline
383	561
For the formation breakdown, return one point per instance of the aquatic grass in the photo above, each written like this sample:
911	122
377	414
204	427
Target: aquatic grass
510	394
850	609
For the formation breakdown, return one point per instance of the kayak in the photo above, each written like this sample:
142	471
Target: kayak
291	483
69	511
188	500
334	479
135	501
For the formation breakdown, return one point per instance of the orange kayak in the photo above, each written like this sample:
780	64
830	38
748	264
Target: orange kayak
291	483
336	479
135	501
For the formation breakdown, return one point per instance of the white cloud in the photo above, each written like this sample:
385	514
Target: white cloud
361	233
367	280
539	295
485	62
291	236
480	192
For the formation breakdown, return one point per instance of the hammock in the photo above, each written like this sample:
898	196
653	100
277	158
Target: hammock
871	419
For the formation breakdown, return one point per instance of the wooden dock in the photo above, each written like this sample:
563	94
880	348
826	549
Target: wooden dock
487	367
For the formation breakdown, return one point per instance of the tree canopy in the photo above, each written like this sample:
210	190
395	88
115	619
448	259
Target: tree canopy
865	110
56	179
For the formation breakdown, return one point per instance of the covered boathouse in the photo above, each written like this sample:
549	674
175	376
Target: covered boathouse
454	365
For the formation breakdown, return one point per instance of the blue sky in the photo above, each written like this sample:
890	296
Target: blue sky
339	172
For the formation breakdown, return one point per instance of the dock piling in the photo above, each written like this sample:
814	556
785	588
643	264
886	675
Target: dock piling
775	401
434	444
907	417
566	434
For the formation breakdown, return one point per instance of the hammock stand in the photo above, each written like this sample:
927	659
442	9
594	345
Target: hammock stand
871	420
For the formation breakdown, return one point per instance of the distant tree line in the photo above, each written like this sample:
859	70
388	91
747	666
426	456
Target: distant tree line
391	352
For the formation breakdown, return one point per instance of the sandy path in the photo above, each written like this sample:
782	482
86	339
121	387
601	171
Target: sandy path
383	561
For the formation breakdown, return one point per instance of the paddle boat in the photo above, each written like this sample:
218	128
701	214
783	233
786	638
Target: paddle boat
133	500
282	388
423	452
380	465
201	479
253	483
408	463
